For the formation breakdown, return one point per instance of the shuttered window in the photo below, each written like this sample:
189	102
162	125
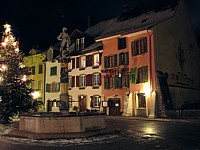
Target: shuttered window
89	80
53	71
139	46
142	74
121	43
88	60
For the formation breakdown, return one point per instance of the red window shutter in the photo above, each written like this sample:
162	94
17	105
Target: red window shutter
77	81
73	81
88	60
89	80
77	62
91	101
73	63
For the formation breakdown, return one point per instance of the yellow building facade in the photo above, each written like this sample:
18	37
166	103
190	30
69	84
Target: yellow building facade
37	68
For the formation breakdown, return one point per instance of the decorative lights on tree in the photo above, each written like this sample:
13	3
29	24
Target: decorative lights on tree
15	94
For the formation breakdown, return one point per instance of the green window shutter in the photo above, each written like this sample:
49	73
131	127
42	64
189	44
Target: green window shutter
58	86
133	75
119	82
145	44
115	60
134	48
105	83
126	58
145	70
120	58
115	82
105	61
47	87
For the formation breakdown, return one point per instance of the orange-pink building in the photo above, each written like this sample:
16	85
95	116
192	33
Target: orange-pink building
148	62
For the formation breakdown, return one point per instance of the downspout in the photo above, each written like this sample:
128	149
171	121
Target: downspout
152	90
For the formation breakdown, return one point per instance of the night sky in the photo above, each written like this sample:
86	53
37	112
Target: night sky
37	23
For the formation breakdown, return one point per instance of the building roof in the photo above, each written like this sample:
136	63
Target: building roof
141	22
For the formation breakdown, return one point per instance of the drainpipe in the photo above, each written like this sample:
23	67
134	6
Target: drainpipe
152	92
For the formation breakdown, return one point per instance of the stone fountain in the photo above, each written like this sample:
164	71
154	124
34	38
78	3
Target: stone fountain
63	124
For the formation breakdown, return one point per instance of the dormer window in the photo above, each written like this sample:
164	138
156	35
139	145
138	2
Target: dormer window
77	44
82	43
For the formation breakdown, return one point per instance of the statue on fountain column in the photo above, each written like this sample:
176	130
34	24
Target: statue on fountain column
65	42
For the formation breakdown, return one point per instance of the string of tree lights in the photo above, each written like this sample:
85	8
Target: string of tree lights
15	95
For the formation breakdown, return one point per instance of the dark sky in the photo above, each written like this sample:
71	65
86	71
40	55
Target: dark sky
38	22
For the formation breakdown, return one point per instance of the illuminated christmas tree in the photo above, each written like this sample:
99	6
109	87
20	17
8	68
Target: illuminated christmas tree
15	96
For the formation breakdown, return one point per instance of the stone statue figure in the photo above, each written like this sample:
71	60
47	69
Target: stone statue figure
64	38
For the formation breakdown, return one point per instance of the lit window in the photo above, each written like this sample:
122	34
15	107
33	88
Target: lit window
70	82
82	81
95	101
83	62
96	60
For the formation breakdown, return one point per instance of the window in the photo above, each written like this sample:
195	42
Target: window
32	84
96	60
82	43
121	43
108	83
40	69
139	47
139	75
95	101
70	65
141	100
33	70
125	80
77	44
142	74
53	87
39	85
82	81
110	61
70	82
124	58
96	80
83	62
53	71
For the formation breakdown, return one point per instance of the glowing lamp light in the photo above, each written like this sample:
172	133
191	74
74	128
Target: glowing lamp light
147	89
1	79
24	78
35	94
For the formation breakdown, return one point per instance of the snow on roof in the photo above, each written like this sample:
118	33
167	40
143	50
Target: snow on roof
143	21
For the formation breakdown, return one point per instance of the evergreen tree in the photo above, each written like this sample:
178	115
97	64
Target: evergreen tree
15	94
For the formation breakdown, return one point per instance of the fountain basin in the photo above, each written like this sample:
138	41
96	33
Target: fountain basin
58	126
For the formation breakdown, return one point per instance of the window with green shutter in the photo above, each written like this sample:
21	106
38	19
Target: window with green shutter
105	61
142	74
106	83
145	73
47	87
139	46
115	60
133	75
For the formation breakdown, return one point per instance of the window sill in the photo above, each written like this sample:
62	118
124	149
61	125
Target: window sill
95	67
95	87
81	88
82	69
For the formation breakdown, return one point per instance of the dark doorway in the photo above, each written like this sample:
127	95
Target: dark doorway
82	103
114	107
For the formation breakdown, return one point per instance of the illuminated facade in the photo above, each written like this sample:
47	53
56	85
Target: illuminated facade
35	62
149	62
